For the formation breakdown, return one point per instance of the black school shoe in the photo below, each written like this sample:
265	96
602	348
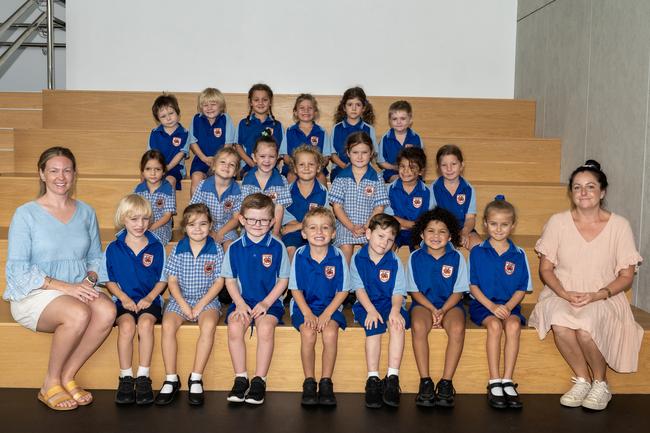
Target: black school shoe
445	393
195	398
125	393
374	390
309	394
326	395
163	399
391	390
426	395
238	392
512	400
143	390
256	392
497	402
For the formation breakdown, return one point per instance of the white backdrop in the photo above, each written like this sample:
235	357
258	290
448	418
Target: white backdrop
458	48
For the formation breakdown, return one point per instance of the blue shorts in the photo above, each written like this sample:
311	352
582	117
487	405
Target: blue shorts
298	319
276	310
360	315
404	237
155	309
176	174
478	313
293	239
198	165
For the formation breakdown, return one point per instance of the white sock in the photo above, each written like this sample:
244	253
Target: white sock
143	371
510	390
392	371
244	374
263	378
373	373
196	387
127	372
498	391
167	389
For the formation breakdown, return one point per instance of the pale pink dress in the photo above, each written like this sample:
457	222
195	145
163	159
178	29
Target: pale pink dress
583	266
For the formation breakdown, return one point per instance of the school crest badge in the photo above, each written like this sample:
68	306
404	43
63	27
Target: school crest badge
272	195
417	202
208	267
460	199
314	140
176	141
228	204
370	190
313	206
408	145
509	267
447	271
330	272
267	260
147	260
160	203
384	275
217	132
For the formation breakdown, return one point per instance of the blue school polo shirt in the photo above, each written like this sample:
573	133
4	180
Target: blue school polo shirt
170	144
162	200
319	282
256	266
294	137
435	278
499	276
213	137
380	281
409	206
459	204
221	208
300	204
276	187
135	274
248	132
390	147
340	134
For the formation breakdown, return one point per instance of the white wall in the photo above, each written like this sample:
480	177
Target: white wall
462	48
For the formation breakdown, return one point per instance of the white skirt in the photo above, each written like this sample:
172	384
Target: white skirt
28	310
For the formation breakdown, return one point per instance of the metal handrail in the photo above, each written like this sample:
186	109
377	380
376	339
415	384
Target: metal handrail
50	44
24	35
28	6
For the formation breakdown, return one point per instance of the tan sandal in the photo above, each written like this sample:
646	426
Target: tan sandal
79	395
55	396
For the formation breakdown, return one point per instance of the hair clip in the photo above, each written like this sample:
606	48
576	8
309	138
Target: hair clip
589	166
500	197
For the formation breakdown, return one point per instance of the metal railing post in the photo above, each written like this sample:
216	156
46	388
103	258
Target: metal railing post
50	44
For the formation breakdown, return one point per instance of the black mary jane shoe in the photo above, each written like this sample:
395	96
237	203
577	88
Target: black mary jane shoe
495	401
512	400
195	398
163	399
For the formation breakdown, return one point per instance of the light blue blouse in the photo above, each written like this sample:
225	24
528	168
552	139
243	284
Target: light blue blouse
40	246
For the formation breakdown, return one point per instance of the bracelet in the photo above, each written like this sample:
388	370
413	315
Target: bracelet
609	292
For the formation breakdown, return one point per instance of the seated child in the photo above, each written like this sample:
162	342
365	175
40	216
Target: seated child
400	136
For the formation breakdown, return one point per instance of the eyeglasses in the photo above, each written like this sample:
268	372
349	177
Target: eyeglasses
255	221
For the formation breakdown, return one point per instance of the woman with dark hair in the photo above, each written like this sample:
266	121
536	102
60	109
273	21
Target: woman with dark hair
54	253
588	259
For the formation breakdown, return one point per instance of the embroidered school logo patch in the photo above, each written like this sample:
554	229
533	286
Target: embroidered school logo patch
384	275
147	260
176	141
370	190
509	267
313	206
460	199
267	260
228	204
272	195
417	202
314	141
160	203
208	267
447	271
330	271
217	132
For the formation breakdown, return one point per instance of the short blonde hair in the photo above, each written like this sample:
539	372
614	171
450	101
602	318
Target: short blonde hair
211	94
130	205
320	211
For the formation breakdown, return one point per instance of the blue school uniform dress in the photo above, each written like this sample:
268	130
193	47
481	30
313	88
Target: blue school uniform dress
250	128
319	283
257	268
170	146
294	138
358	201
195	274
460	204
437	279
498	277
408	206
211	138
162	200
390	147
299	207
136	274
381	282
340	134
221	208
276	187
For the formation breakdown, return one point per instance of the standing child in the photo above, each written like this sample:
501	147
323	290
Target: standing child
170	138
306	194
357	194
265	178
319	284
499	279
377	276
409	196
260	119
133	272
159	193
354	114
452	192
437	280
256	269
305	131
211	130
222	195
400	136
192	272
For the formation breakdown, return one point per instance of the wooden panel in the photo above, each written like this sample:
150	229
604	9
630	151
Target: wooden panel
6	160
21	118
432	116
6	138
21	100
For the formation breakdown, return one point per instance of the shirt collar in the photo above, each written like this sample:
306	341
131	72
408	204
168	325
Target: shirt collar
331	252
370	173
210	186
183	246
247	242
274	180
164	185
121	237
486	245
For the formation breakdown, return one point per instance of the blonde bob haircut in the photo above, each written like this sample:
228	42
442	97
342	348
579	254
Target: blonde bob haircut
131	205
211	94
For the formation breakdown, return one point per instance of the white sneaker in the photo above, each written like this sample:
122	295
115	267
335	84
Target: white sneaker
575	396
598	396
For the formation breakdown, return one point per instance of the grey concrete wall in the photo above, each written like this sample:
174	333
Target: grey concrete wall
587	63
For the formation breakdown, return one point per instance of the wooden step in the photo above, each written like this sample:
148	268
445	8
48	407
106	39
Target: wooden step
21	118
21	100
131	111
25	356
7	138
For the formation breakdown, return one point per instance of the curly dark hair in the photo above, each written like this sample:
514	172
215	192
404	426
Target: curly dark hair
436	214
368	115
